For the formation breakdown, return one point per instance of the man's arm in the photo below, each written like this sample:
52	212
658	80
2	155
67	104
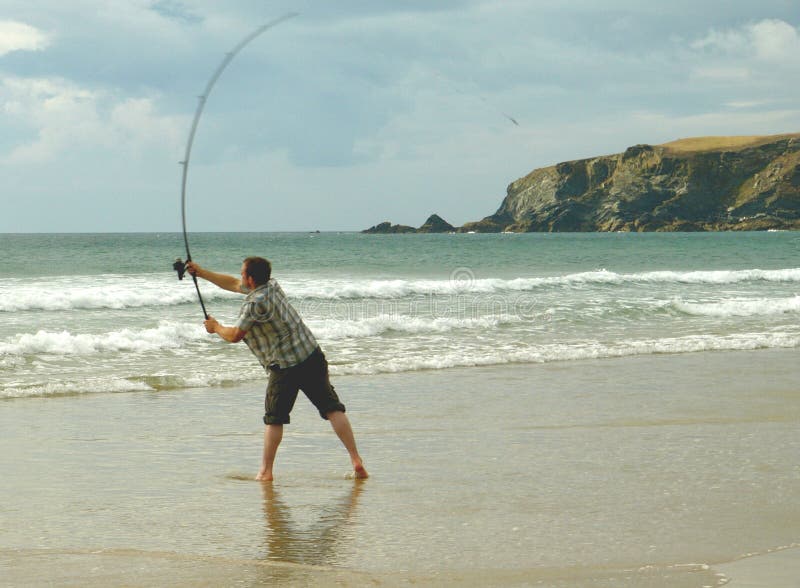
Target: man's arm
229	334
224	281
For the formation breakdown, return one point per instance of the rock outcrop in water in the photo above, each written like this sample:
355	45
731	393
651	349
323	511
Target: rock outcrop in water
387	227
702	184
434	224
699	184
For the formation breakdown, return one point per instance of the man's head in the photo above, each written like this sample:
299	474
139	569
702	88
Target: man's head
256	269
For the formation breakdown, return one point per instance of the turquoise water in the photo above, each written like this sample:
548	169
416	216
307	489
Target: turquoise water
386	303
387	256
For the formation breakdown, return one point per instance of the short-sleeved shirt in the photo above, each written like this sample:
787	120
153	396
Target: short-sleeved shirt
275	332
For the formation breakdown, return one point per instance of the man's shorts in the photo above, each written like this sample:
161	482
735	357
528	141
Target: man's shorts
310	376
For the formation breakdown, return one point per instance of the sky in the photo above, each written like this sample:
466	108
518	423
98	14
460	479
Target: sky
356	112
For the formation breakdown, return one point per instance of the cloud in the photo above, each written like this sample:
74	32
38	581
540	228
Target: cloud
723	41
766	53
748	104
766	40
178	11
64	118
775	40
17	36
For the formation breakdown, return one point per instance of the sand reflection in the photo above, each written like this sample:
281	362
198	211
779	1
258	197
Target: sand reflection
319	544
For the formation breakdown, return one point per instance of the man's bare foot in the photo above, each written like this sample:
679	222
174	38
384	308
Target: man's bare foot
264	476
359	471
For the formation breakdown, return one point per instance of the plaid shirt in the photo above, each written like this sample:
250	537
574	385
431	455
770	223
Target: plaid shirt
275	332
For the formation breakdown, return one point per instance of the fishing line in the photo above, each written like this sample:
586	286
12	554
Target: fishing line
179	265
475	95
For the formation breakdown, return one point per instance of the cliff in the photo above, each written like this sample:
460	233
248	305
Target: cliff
698	184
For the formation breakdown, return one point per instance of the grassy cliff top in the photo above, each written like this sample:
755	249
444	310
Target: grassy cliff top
698	144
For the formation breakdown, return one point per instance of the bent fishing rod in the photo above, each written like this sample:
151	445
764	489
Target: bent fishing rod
180	265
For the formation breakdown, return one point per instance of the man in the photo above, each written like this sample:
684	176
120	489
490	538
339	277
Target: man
278	337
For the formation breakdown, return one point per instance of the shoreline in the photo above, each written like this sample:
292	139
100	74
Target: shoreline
777	569
422	372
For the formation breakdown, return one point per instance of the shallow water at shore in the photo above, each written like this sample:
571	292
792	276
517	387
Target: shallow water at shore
638	471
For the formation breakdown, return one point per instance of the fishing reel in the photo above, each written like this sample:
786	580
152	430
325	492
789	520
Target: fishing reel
180	267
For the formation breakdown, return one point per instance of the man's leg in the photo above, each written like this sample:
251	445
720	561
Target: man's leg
278	403
272	438
342	428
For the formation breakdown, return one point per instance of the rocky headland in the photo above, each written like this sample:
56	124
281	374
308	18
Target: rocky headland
698	184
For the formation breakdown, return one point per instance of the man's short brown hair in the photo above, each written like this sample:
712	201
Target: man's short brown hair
259	269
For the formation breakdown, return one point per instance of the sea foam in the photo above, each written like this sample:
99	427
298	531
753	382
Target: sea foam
168	335
355	289
741	307
98	292
333	330
242	369
75	388
577	351
136	291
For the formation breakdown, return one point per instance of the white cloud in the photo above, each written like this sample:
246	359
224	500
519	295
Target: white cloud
724	41
766	53
748	104
134	120
17	36
49	107
65	117
768	39
775	40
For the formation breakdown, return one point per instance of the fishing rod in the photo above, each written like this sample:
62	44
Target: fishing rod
179	265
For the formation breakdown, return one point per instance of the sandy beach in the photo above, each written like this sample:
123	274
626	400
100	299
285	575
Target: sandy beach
665	470
779	569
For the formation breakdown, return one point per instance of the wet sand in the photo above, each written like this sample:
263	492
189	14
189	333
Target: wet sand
129	568
779	569
645	471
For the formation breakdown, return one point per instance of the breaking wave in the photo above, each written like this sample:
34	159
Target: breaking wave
332	289
168	335
409	359
575	352
333	330
115	385
740	307
118	292
98	292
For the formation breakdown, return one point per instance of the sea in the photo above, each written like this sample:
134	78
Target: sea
105	313
560	410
